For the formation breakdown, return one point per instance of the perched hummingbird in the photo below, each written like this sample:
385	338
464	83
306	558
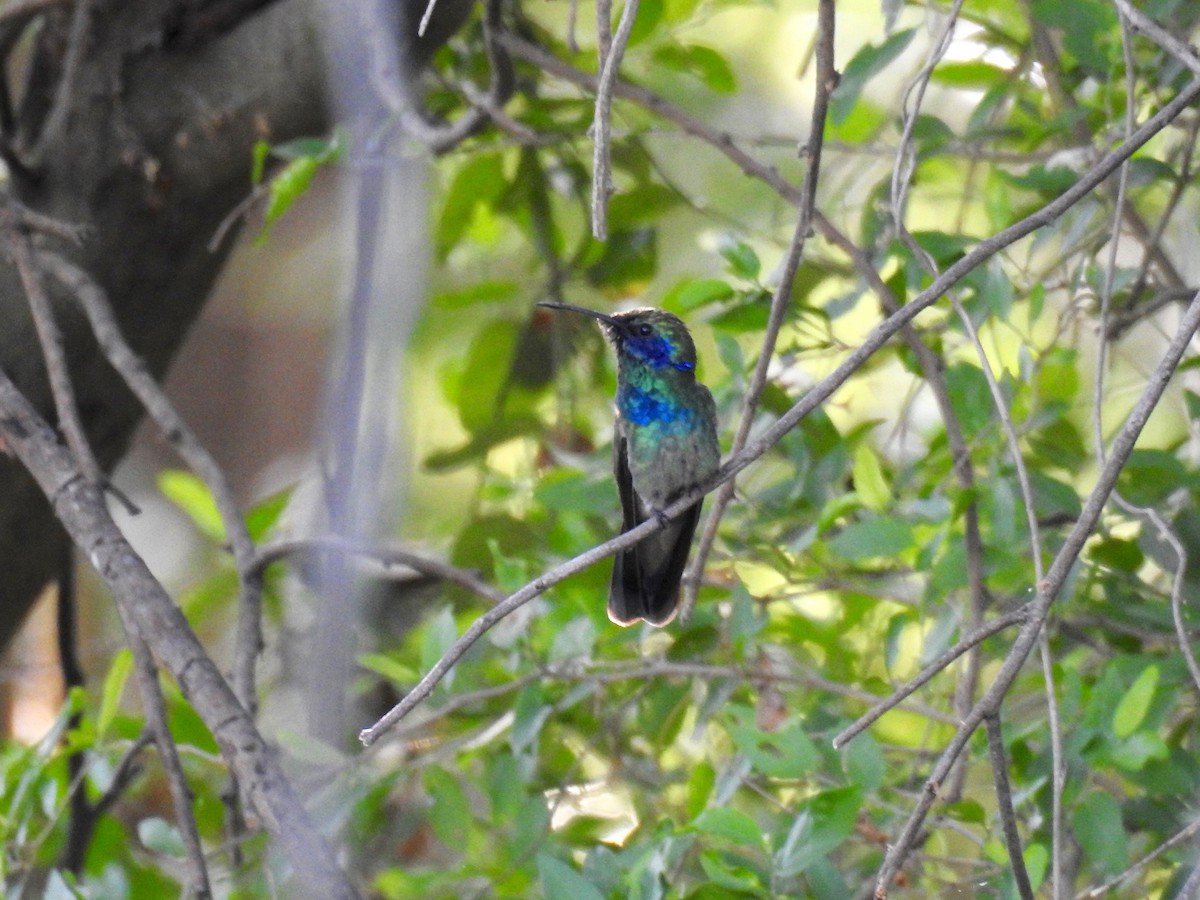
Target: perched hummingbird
664	443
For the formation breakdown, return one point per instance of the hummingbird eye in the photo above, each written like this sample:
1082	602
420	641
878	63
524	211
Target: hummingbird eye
645	330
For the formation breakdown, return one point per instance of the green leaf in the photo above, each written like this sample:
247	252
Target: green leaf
1052	181
743	261
450	814
560	880
700	786
703	62
971	74
479	293
970	396
1037	862
1101	833
1132	708
690	295
1144	170
1052	498
649	15
160	836
1138	751
192	495
629	259
479	390
114	685
821	824
1083	25
646	203
727	879
529	714
868	62
288	186
264	514
864	763
730	824
1114	553
570	491
871	539
1150	476
480	180
869	483
389	667
261	152
788	753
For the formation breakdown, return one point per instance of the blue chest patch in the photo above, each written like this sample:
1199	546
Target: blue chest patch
650	408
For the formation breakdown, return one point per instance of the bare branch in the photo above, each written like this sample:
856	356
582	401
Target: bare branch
898	696
602	186
1008	817
54	126
181	793
1182	835
385	556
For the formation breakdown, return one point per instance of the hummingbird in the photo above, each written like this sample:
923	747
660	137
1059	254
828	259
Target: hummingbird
664	444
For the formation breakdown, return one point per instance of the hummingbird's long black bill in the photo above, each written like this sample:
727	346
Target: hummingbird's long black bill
571	307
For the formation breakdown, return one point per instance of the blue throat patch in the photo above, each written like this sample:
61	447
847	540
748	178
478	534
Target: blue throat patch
655	351
647	408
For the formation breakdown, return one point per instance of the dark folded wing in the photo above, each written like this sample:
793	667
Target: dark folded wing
645	579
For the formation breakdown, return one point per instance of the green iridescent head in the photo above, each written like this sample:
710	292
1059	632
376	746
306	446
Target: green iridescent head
647	337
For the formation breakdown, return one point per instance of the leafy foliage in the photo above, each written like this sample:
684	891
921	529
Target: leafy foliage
566	757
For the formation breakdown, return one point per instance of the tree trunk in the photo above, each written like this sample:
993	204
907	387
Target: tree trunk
154	152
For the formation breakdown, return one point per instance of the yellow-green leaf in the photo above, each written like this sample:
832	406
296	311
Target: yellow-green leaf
192	495
1132	709
114	684
869	481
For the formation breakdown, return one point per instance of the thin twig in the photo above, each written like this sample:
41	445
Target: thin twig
897	696
235	215
826	79
552	65
1004	798
55	355
385	556
1134	311
55	124
602	186
1191	887
181	794
1179	49
394	80
660	669
1179	837
1047	590
425	17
